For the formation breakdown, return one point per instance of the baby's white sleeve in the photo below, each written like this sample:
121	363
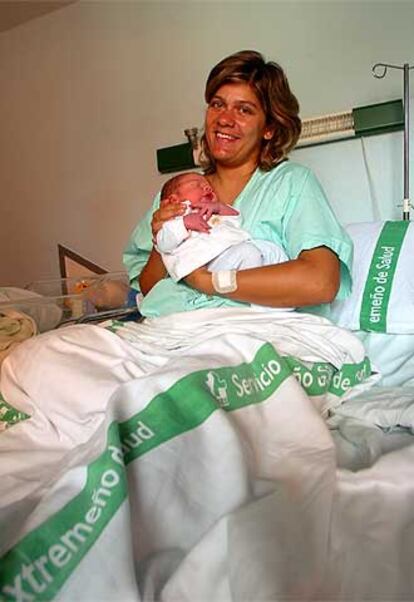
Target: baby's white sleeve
171	235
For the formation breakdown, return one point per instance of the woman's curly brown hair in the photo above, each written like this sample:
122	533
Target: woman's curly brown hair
279	104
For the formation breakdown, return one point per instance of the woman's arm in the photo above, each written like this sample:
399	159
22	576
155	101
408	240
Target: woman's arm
311	279
154	270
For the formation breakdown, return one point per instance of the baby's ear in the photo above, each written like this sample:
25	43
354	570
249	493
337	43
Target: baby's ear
172	198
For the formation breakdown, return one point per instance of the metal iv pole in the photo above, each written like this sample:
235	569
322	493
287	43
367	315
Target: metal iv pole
379	71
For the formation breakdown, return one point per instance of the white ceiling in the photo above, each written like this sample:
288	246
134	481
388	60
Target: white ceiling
16	12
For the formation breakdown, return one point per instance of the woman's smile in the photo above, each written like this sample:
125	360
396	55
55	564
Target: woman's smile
224	138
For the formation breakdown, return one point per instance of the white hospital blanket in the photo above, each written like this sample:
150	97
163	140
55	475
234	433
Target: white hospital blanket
185	462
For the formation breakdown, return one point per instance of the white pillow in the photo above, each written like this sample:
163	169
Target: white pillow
382	298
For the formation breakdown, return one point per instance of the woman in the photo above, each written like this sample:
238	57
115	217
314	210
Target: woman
251	124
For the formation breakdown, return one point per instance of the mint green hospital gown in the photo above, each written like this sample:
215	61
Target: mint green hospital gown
286	206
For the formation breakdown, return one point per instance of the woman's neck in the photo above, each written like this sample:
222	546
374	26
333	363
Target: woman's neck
228	182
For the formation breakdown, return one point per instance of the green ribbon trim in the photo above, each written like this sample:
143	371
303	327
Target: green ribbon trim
378	286
9	415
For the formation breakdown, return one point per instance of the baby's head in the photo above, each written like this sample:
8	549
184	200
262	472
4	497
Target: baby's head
188	186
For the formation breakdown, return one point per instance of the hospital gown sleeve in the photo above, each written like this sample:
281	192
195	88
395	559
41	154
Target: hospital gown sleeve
310	223
139	246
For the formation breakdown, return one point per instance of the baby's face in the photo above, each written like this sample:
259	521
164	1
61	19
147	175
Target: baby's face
195	188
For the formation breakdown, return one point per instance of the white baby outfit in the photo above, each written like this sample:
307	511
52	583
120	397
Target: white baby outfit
225	247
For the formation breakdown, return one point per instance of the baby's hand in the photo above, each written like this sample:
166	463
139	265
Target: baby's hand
207	208
223	209
195	221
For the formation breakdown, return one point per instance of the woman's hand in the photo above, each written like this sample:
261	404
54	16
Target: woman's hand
169	208
154	270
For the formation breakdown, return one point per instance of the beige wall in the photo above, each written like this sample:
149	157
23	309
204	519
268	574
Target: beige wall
89	92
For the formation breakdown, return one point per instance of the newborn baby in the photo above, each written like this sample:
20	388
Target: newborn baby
209	233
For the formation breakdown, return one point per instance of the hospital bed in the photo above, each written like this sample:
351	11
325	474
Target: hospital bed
239	456
234	455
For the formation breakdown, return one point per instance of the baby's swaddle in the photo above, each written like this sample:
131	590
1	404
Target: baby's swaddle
199	248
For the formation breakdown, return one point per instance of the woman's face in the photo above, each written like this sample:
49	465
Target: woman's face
235	126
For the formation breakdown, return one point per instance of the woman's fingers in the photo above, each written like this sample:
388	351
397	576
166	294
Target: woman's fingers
166	212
